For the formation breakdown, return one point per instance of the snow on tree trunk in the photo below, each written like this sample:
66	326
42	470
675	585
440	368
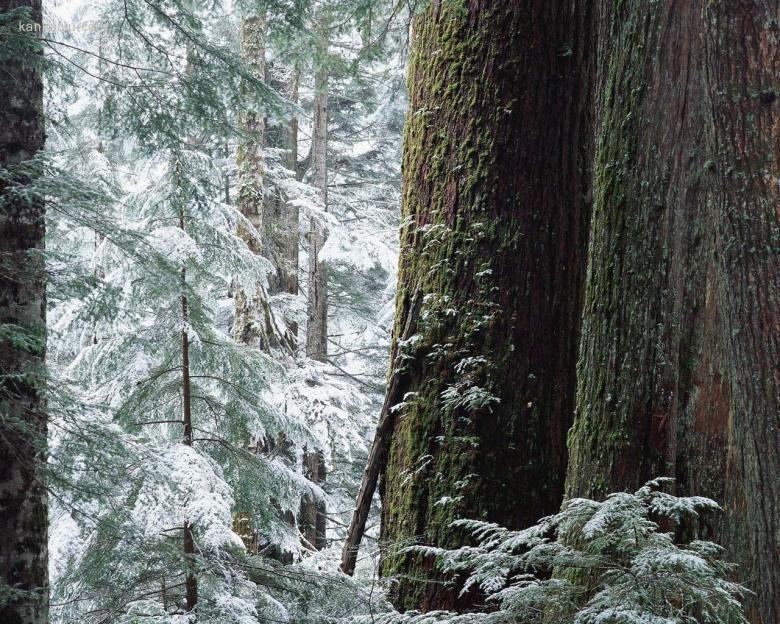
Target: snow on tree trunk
495	214
253	323
317	301
23	499
312	511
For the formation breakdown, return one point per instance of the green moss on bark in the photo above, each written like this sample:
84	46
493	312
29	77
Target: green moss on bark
495	215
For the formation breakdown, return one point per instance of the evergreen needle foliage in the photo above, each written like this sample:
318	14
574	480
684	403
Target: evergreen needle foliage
607	562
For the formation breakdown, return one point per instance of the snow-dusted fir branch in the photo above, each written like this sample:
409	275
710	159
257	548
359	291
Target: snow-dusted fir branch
607	562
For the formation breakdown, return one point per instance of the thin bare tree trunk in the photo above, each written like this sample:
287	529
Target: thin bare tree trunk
191	581
23	420
380	447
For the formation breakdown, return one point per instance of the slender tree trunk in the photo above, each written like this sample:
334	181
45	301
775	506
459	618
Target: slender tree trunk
280	219
253	322
191	581
317	326
312	517
317	296
313	511
380	446
23	500
495	213
742	66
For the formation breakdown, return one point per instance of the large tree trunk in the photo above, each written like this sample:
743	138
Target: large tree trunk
679	371
651	396
495	213
23	500
742	66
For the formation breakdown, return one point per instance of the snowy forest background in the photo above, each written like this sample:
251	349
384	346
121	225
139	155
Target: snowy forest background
254	370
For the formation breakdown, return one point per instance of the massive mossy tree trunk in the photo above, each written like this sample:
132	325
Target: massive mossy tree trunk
651	399
680	365
495	213
742	68
23	500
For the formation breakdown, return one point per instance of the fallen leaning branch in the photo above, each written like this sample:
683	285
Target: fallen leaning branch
380	446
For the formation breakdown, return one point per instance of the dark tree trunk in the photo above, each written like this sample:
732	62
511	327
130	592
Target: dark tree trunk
742	66
679	371
651	397
23	500
188	536
495	211
380	446
312	517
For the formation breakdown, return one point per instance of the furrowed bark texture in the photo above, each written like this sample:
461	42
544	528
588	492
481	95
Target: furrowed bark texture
23	500
742	67
679	368
651	399
495	213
